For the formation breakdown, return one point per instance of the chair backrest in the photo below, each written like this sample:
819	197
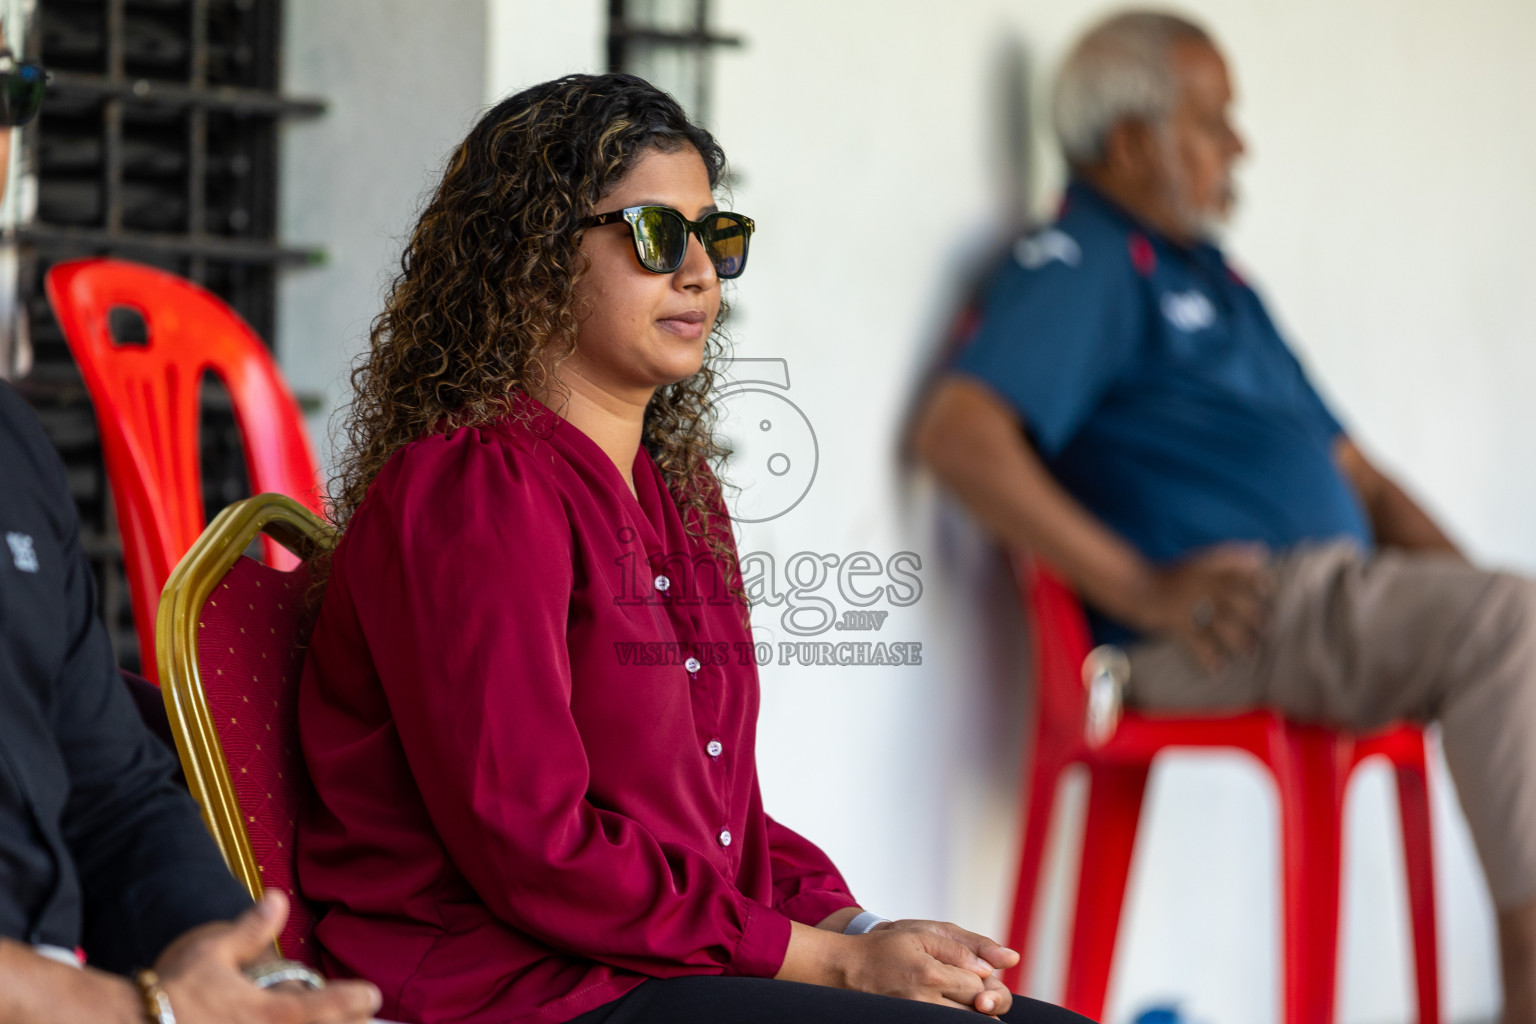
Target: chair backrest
231	636
1061	641
148	404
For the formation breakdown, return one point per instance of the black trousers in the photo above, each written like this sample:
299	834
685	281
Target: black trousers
715	1000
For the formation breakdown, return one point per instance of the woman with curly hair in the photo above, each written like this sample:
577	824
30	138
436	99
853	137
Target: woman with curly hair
528	708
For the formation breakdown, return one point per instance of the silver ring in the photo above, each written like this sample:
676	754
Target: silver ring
275	972
1203	611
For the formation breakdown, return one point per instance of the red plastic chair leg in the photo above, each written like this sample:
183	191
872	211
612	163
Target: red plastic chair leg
1109	838
1311	796
1045	776
1418	859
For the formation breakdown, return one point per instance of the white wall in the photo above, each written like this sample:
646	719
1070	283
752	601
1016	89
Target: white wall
1388	213
529	42
404	80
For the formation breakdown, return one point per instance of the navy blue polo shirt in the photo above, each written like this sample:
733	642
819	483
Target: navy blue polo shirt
1158	391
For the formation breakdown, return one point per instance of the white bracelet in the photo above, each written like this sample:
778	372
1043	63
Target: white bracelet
156	1004
863	922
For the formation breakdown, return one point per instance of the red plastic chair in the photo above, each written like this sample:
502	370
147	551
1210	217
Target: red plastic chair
1311	767
147	400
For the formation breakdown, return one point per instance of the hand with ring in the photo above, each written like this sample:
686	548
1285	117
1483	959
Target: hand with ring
1202	612
1216	602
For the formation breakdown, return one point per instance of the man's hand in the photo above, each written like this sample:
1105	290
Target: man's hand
201	974
995	999
1216	602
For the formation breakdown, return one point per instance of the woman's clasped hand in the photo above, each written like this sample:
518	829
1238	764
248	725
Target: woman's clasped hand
930	961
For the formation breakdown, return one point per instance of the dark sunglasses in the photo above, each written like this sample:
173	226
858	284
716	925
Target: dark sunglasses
21	89
661	237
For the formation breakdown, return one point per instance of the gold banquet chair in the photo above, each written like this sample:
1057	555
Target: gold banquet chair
229	638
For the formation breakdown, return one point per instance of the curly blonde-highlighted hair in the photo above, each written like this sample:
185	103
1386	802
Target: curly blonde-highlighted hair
485	300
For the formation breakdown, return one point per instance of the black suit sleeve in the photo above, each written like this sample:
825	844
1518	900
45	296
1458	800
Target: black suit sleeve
148	868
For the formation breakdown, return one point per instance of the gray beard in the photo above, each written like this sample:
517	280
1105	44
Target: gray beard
1209	226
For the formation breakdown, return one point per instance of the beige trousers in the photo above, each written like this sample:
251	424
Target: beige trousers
1359	641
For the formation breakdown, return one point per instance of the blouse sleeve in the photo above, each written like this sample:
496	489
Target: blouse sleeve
462	579
807	887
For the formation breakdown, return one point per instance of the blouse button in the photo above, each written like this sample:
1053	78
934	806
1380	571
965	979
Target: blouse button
662	583
715	748
692	665
725	837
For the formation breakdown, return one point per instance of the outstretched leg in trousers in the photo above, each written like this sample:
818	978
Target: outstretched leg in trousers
1359	641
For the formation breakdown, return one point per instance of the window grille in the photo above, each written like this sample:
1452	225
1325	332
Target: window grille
668	43
156	142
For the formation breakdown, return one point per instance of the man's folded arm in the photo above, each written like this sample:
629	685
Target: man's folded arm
148	868
1396	519
975	442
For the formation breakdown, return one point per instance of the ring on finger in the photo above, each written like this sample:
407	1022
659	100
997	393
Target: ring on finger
1202	612
275	972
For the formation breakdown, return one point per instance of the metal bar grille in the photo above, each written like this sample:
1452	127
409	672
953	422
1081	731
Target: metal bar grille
669	43
156	142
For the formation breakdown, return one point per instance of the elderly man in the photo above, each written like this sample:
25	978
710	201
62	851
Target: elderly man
98	848
1127	409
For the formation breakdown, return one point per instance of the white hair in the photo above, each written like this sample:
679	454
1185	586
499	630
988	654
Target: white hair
1121	70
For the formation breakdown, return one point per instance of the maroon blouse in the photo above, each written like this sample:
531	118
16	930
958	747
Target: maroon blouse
529	715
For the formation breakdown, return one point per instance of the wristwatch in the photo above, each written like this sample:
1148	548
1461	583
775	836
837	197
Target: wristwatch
862	923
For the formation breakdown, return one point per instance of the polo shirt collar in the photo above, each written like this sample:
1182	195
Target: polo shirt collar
1081	193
